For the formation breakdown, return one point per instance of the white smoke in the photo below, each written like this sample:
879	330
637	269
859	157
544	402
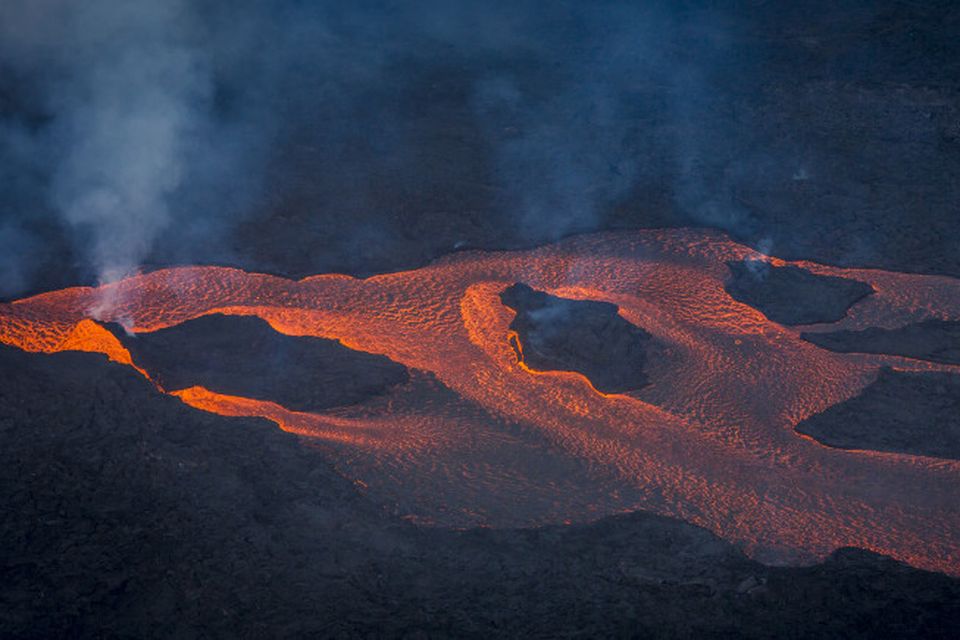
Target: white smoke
128	90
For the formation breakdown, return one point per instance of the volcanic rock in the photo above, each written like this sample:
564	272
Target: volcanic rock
933	340
558	334
129	514
902	412
244	356
791	295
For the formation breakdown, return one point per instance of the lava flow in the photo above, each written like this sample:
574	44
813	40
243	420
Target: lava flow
474	437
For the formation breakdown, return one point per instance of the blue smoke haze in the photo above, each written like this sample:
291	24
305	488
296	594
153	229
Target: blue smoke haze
159	131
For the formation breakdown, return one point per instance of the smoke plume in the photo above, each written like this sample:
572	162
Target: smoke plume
301	137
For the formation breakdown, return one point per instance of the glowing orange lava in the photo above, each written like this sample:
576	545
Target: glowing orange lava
476	438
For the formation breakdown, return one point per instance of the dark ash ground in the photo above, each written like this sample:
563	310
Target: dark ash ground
559	334
791	295
931	340
244	356
128	514
902	412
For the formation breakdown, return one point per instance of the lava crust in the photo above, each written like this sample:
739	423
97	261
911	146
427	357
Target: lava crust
931	340
558	334
299	373
902	412
792	295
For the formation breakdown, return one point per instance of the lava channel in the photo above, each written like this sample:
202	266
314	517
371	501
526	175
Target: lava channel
474	437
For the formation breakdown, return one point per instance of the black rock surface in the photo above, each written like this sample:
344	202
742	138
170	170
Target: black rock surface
590	337
933	340
244	356
128	514
791	295
902	412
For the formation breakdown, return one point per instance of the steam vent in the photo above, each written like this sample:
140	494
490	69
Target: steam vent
479	320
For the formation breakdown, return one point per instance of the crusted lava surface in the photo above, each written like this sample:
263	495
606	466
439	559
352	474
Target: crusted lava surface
244	356
792	295
586	336
903	412
932	340
129	514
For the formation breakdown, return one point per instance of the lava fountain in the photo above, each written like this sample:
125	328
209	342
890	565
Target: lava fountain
474	437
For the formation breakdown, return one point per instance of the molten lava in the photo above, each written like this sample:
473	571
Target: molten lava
474	437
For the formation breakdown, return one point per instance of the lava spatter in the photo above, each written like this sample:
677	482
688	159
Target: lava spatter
474	437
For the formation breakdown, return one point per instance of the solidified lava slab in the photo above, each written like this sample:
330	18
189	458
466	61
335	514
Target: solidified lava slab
901	412
244	356
792	295
123	504
932	340
558	334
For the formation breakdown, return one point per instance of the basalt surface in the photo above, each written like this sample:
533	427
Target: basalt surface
932	340
244	356
128	513
554	333
903	412
792	295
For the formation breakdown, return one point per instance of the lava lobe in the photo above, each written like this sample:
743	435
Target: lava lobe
792	295
244	356
559	334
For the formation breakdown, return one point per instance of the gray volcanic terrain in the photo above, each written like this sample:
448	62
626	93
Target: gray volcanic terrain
932	340
791	295
577	335
244	356
903	412
127	513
